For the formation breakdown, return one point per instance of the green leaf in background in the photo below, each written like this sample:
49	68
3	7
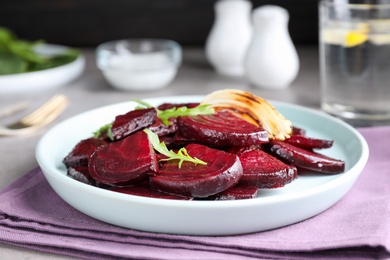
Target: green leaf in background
56	61
10	64
18	56
25	50
6	36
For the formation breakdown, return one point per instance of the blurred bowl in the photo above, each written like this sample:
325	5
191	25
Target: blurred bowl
139	64
43	79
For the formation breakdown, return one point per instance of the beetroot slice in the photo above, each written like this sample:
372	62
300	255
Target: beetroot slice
240	150
223	170
81	152
306	159
237	192
298	131
166	106
127	161
309	143
131	122
81	174
145	191
161	129
265	171
220	129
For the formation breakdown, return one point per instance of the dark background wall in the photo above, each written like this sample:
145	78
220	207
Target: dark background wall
90	22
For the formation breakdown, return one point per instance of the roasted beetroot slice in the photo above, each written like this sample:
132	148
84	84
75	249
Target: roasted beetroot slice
81	174
146	191
131	122
306	159
298	131
265	171
127	161
240	150
180	141
223	170
237	192
161	129
309	143
221	129
171	143
81	152
166	106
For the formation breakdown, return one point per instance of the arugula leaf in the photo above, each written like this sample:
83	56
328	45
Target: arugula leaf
142	104
164	115
106	129
181	155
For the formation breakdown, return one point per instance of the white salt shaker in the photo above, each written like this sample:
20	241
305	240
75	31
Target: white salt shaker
230	35
272	60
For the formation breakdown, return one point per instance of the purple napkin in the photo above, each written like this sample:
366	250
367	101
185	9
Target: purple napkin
358	226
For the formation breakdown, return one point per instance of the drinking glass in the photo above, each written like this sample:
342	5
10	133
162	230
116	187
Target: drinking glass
355	60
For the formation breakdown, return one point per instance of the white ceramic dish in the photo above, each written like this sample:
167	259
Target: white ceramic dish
44	79
307	196
139	64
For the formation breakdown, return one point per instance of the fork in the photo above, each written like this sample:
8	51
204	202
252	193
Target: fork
38	118
13	109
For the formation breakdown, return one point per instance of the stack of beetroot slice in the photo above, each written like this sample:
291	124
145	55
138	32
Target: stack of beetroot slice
239	158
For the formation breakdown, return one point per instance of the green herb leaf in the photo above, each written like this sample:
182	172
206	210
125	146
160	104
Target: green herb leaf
174	112
164	115
181	155
106	129
141	104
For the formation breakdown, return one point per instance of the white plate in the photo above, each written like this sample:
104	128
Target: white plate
303	198
44	79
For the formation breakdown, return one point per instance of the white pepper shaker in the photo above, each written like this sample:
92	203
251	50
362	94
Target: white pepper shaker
230	35
272	60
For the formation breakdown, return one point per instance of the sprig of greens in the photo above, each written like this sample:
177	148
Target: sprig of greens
106	129
174	112
142	104
19	56
181	155
164	115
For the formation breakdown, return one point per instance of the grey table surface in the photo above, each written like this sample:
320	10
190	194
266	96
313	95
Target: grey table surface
90	90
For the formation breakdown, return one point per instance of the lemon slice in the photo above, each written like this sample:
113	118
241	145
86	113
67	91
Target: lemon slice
355	38
346	34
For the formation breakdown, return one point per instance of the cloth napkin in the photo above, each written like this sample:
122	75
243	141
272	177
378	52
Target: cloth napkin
358	226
